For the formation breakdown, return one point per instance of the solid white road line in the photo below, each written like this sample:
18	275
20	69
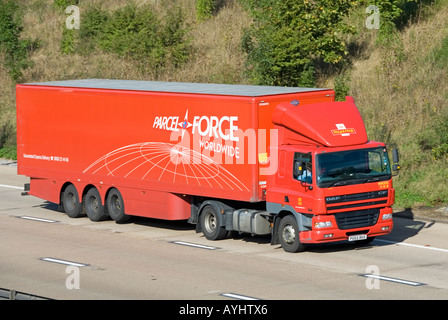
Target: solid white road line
412	245
195	245
238	296
407	282
69	263
38	219
10	187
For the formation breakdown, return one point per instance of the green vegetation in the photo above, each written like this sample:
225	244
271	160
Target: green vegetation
400	88
8	141
135	33
290	38
62	4
14	53
12	47
204	9
440	55
435	138
397	73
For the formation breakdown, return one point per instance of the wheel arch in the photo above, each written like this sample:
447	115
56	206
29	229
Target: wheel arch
275	230
219	207
87	188
280	211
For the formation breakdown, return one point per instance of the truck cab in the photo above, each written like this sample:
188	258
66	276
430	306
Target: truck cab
332	183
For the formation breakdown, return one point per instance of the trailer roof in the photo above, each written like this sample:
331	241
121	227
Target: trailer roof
177	87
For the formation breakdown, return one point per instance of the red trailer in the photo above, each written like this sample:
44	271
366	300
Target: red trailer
290	162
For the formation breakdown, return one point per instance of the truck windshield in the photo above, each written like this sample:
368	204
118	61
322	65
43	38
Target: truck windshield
352	167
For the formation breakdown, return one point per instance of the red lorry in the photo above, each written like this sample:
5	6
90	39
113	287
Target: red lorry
289	162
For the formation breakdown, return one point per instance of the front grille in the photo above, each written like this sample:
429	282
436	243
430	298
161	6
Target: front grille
340	202
357	196
357	205
357	219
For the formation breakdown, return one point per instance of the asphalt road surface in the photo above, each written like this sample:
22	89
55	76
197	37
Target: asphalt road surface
45	253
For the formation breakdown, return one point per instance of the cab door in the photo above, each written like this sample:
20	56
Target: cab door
289	187
302	181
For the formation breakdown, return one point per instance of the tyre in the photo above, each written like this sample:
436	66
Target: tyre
115	206
70	202
289	235
93	205
210	225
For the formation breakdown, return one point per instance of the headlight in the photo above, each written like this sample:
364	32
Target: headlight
323	224
387	216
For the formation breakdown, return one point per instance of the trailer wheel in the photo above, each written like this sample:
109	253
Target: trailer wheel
115	206
289	235
210	226
70	202
94	208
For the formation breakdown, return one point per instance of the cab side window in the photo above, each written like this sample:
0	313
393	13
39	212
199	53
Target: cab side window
303	167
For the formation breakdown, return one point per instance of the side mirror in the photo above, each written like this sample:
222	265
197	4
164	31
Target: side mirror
395	160
395	156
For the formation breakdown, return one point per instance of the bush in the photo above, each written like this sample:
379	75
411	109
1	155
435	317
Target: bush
68	41
290	38
14	49
7	133
8	153
204	9
341	87
435	137
8	141
137	33
131	32
174	38
62	4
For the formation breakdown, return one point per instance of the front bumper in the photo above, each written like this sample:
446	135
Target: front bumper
333	233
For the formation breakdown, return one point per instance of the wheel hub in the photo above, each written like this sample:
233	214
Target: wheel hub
289	234
210	222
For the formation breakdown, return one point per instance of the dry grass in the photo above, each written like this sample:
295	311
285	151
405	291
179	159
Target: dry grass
216	57
400	91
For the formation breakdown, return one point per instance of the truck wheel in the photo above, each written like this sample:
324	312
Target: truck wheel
70	202
209	221
94	208
115	206
289	235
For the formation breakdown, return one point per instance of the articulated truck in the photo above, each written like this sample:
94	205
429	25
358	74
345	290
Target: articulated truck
288	162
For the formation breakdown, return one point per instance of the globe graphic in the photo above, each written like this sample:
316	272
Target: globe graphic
166	162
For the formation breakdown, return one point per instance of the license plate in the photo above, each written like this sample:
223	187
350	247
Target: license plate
357	237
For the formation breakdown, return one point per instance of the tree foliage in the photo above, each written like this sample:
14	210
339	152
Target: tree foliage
204	9
289	37
396	12
137	33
